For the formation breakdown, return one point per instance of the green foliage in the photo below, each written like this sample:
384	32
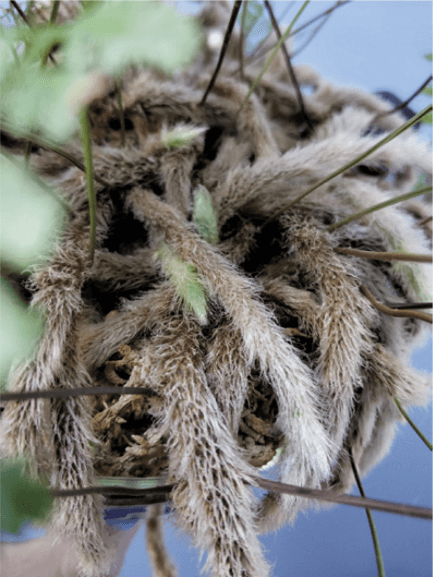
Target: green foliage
21	498
186	280
205	216
30	216
117	34
108	37
20	329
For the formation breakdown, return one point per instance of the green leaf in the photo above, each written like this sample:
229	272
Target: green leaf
186	280
181	136
21	498
428	56
427	90
117	34
30	216
20	329
108	37
39	99
205	216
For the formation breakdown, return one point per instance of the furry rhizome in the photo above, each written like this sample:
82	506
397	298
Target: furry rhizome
290	354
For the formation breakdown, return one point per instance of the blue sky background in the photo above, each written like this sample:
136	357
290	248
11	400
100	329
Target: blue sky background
373	46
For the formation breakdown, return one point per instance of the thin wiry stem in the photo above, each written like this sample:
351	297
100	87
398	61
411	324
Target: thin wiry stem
64	393
163	492
312	36
412	424
405	103
424	221
379	206
242	40
227	36
121	112
409	306
24	17
251	57
352	163
254	56
289	67
393	312
274	53
54	11
375	255
88	159
60	151
20	12
322	15
377	551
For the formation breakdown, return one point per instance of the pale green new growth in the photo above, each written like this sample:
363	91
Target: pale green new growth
186	280
205	216
181	136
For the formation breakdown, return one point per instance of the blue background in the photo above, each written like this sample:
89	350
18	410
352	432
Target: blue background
372	46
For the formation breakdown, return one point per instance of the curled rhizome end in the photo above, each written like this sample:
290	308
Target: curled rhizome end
252	332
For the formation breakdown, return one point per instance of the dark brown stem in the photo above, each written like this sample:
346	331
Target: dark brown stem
409	306
64	393
255	56
394	312
290	68
121	112
424	221
313	35
260	44
164	491
227	36
327	495
405	103
370	254
322	15
241	41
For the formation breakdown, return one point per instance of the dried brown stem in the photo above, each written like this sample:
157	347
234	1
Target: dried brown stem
227	36
242	40
370	254
255	56
424	221
312	35
318	494
410	306
405	103
289	67
88	391
393	312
